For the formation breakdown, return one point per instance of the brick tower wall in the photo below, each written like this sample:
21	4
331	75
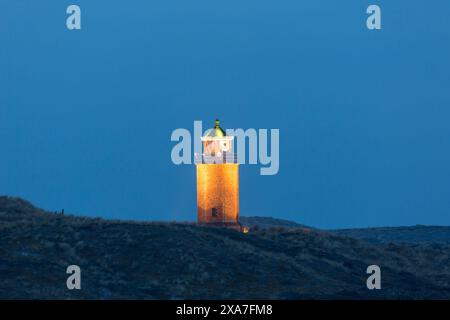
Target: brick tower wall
217	193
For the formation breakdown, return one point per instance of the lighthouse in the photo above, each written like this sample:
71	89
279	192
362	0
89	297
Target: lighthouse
217	180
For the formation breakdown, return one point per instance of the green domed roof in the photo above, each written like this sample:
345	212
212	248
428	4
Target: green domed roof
216	132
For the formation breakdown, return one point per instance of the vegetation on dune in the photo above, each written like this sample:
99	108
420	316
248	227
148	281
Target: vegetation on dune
161	260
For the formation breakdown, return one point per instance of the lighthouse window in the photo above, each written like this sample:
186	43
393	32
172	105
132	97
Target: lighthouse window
214	212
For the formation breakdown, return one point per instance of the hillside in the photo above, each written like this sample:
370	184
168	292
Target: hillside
418	234
130	260
269	222
413	235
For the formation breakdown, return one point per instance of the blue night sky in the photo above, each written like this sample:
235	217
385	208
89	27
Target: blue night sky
364	116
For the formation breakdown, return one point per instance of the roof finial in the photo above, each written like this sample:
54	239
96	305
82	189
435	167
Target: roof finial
217	123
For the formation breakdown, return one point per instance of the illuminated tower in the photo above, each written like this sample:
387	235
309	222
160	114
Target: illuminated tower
217	180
